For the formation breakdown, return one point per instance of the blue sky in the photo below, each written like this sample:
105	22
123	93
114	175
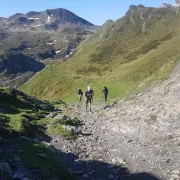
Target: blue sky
95	11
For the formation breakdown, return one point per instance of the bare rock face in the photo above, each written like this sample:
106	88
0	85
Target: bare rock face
165	5
176	3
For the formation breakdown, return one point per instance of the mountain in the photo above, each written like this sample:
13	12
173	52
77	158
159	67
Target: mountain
54	33
165	5
175	5
125	55
50	35
51	19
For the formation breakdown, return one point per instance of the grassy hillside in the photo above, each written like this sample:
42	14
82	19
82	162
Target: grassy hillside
125	55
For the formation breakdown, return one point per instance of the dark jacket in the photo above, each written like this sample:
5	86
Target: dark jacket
89	94
79	92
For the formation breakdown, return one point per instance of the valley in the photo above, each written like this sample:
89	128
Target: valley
56	39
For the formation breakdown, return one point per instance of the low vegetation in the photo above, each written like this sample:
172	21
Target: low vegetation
24	116
20	118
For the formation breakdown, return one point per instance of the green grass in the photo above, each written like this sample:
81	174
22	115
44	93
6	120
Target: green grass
23	119
119	55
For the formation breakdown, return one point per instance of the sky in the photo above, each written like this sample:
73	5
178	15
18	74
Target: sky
95	11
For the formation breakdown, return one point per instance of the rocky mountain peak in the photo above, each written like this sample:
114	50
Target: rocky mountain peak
109	21
50	19
165	5
134	7
175	5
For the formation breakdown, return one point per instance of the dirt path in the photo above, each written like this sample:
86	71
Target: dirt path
138	139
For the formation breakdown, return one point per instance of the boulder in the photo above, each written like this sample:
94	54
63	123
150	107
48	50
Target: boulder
85	176
51	115
5	167
111	176
18	175
42	156
66	118
72	129
17	159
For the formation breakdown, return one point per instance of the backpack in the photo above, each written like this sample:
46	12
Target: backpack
80	92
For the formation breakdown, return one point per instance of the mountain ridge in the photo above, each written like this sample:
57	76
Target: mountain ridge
125	55
175	5
50	19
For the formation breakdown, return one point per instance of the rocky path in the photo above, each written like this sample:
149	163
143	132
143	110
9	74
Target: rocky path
138	139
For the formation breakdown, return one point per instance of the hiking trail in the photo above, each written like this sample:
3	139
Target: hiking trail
142	135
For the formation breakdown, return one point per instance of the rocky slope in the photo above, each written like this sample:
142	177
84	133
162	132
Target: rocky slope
175	5
165	5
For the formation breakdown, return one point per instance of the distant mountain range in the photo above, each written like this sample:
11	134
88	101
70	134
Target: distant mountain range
57	34
26	39
125	55
51	19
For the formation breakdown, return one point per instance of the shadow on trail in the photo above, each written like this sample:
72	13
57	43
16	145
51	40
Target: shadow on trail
97	170
78	169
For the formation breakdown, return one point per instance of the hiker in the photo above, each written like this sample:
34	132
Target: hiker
105	93
88	96
80	94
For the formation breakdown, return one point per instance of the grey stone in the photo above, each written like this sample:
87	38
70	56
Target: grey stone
91	172
66	118
17	159
18	175
5	167
59	116
42	156
51	115
78	163
85	176
72	129
111	176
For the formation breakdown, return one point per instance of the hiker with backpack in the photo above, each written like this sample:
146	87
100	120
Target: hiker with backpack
88	96
80	94
105	93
